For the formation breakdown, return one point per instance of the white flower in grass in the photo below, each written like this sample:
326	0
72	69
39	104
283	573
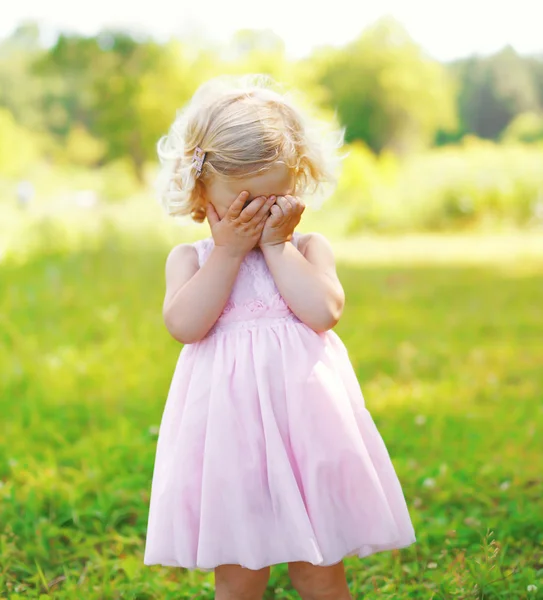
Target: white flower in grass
532	588
420	420
505	486
432	565
429	482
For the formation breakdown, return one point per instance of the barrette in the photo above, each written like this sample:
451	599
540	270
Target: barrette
198	159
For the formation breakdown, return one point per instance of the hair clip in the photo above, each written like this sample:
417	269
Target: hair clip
198	159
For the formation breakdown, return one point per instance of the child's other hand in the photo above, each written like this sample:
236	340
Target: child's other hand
285	215
240	229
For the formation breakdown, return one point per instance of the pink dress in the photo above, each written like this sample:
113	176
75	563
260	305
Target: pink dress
266	453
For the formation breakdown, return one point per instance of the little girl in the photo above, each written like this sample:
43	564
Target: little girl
266	453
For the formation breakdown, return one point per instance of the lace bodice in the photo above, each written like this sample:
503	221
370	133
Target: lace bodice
255	300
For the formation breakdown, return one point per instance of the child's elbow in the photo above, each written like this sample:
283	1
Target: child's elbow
327	324
329	318
179	330
335	309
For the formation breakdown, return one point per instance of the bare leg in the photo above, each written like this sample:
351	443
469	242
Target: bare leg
233	582
319	583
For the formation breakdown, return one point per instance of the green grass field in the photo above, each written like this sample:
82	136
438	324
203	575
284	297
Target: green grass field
446	336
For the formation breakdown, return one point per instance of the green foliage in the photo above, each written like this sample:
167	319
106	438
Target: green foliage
20	91
493	90
166	84
452	383
526	127
67	72
388	93
104	101
535	63
82	148
19	148
117	181
121	91
118	88
113	95
476	184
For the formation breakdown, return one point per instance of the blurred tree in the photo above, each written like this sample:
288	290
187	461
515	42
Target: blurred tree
113	95
535	64
252	51
120	89
526	127
81	148
20	92
68	69
117	86
493	90
164	89
263	51
24	38
386	91
18	147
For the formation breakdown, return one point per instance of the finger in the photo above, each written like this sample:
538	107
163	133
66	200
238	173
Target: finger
280	202
295	201
248	213
285	205
276	214
299	205
212	216
264	211
237	206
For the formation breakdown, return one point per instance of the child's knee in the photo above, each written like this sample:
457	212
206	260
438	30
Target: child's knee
233	582
319	583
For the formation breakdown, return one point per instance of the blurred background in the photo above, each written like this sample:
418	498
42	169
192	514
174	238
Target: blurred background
436	224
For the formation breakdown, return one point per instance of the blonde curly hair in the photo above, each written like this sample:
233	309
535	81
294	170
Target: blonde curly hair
245	125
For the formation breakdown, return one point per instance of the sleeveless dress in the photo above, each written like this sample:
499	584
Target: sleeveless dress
266	453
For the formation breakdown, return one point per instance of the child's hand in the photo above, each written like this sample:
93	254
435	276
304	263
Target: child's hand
285	216
240	229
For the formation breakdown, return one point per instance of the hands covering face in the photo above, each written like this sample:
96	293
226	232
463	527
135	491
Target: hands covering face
262	221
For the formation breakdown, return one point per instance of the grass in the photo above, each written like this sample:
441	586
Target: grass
445	334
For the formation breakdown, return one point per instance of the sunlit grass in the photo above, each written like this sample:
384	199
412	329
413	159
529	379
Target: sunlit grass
445	334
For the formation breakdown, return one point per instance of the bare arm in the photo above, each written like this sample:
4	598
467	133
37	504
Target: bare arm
195	297
308	282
